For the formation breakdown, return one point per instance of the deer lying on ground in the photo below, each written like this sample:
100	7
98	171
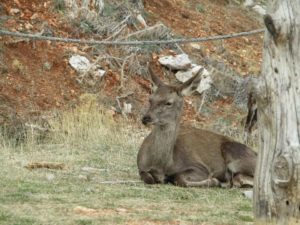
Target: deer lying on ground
184	155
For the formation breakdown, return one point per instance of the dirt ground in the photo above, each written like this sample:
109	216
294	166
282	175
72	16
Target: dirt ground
36	76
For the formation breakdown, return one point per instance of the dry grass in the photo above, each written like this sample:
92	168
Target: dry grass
88	137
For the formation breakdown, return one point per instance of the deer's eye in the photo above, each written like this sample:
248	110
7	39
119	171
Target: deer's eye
169	103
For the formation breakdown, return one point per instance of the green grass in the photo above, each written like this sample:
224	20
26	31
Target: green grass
109	9
59	5
200	8
88	137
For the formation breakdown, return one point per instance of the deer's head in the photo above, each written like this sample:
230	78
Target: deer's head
166	103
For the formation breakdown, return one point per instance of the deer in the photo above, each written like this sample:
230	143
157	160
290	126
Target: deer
184	155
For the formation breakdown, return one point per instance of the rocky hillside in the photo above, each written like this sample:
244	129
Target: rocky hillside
38	79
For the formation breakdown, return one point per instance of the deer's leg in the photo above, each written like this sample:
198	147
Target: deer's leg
242	181
210	182
195	179
152	177
147	177
228	179
239	159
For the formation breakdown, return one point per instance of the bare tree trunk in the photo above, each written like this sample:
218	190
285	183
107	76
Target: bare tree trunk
277	182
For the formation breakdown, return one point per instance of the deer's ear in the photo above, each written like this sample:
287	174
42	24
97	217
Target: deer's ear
191	85
155	78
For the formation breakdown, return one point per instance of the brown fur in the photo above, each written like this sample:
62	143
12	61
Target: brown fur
188	156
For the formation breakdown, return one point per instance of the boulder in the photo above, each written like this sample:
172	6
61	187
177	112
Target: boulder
260	10
206	80
80	63
177	62
88	72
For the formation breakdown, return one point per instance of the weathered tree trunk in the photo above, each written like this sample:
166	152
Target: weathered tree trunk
277	182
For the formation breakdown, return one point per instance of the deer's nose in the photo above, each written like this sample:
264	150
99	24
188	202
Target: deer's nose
146	119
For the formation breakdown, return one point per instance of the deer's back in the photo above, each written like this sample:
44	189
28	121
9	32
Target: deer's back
200	148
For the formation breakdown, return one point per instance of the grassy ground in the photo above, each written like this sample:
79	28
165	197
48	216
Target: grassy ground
84	138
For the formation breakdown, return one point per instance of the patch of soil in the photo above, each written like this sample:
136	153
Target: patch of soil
35	16
37	77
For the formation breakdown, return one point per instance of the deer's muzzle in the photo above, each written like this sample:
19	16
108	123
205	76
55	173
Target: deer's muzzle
146	119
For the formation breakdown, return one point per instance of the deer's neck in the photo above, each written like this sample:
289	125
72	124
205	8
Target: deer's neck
164	138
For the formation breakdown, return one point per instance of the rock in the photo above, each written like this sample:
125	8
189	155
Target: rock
14	11
205	83
248	194
28	26
248	3
50	176
260	10
80	63
127	108
99	72
178	62
206	80
183	76
195	46
83	66
141	20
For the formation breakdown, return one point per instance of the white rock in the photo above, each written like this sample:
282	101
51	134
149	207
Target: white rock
28	26
178	62
14	11
206	80
127	107
50	176
248	194
100	72
80	63
248	3
260	10
195	46
205	83
142	21
183	76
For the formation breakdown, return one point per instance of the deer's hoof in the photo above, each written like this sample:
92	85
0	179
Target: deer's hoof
215	182
147	178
